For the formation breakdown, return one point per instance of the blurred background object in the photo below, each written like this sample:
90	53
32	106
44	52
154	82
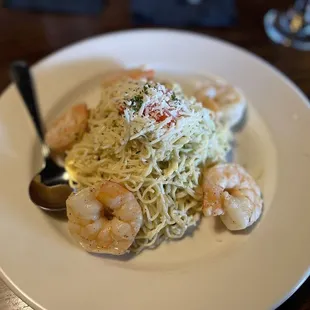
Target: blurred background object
291	27
182	13
177	13
57	6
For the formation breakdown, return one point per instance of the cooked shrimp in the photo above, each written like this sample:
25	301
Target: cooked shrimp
104	218
226	101
68	128
135	74
231	193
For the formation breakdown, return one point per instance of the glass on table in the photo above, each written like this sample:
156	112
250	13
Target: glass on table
290	28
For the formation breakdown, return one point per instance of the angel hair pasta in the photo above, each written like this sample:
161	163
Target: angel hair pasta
152	139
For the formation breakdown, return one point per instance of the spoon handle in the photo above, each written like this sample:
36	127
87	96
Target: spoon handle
20	74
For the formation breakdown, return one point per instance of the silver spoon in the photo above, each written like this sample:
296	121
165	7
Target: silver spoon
48	189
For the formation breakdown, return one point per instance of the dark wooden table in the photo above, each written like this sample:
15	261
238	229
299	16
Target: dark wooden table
31	36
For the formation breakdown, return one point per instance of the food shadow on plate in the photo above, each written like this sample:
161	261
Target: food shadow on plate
230	156
60	216
121	258
242	123
219	227
236	129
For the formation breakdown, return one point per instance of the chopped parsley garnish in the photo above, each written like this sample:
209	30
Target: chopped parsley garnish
173	96
145	88
137	102
138	99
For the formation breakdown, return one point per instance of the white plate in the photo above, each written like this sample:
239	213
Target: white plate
213	269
